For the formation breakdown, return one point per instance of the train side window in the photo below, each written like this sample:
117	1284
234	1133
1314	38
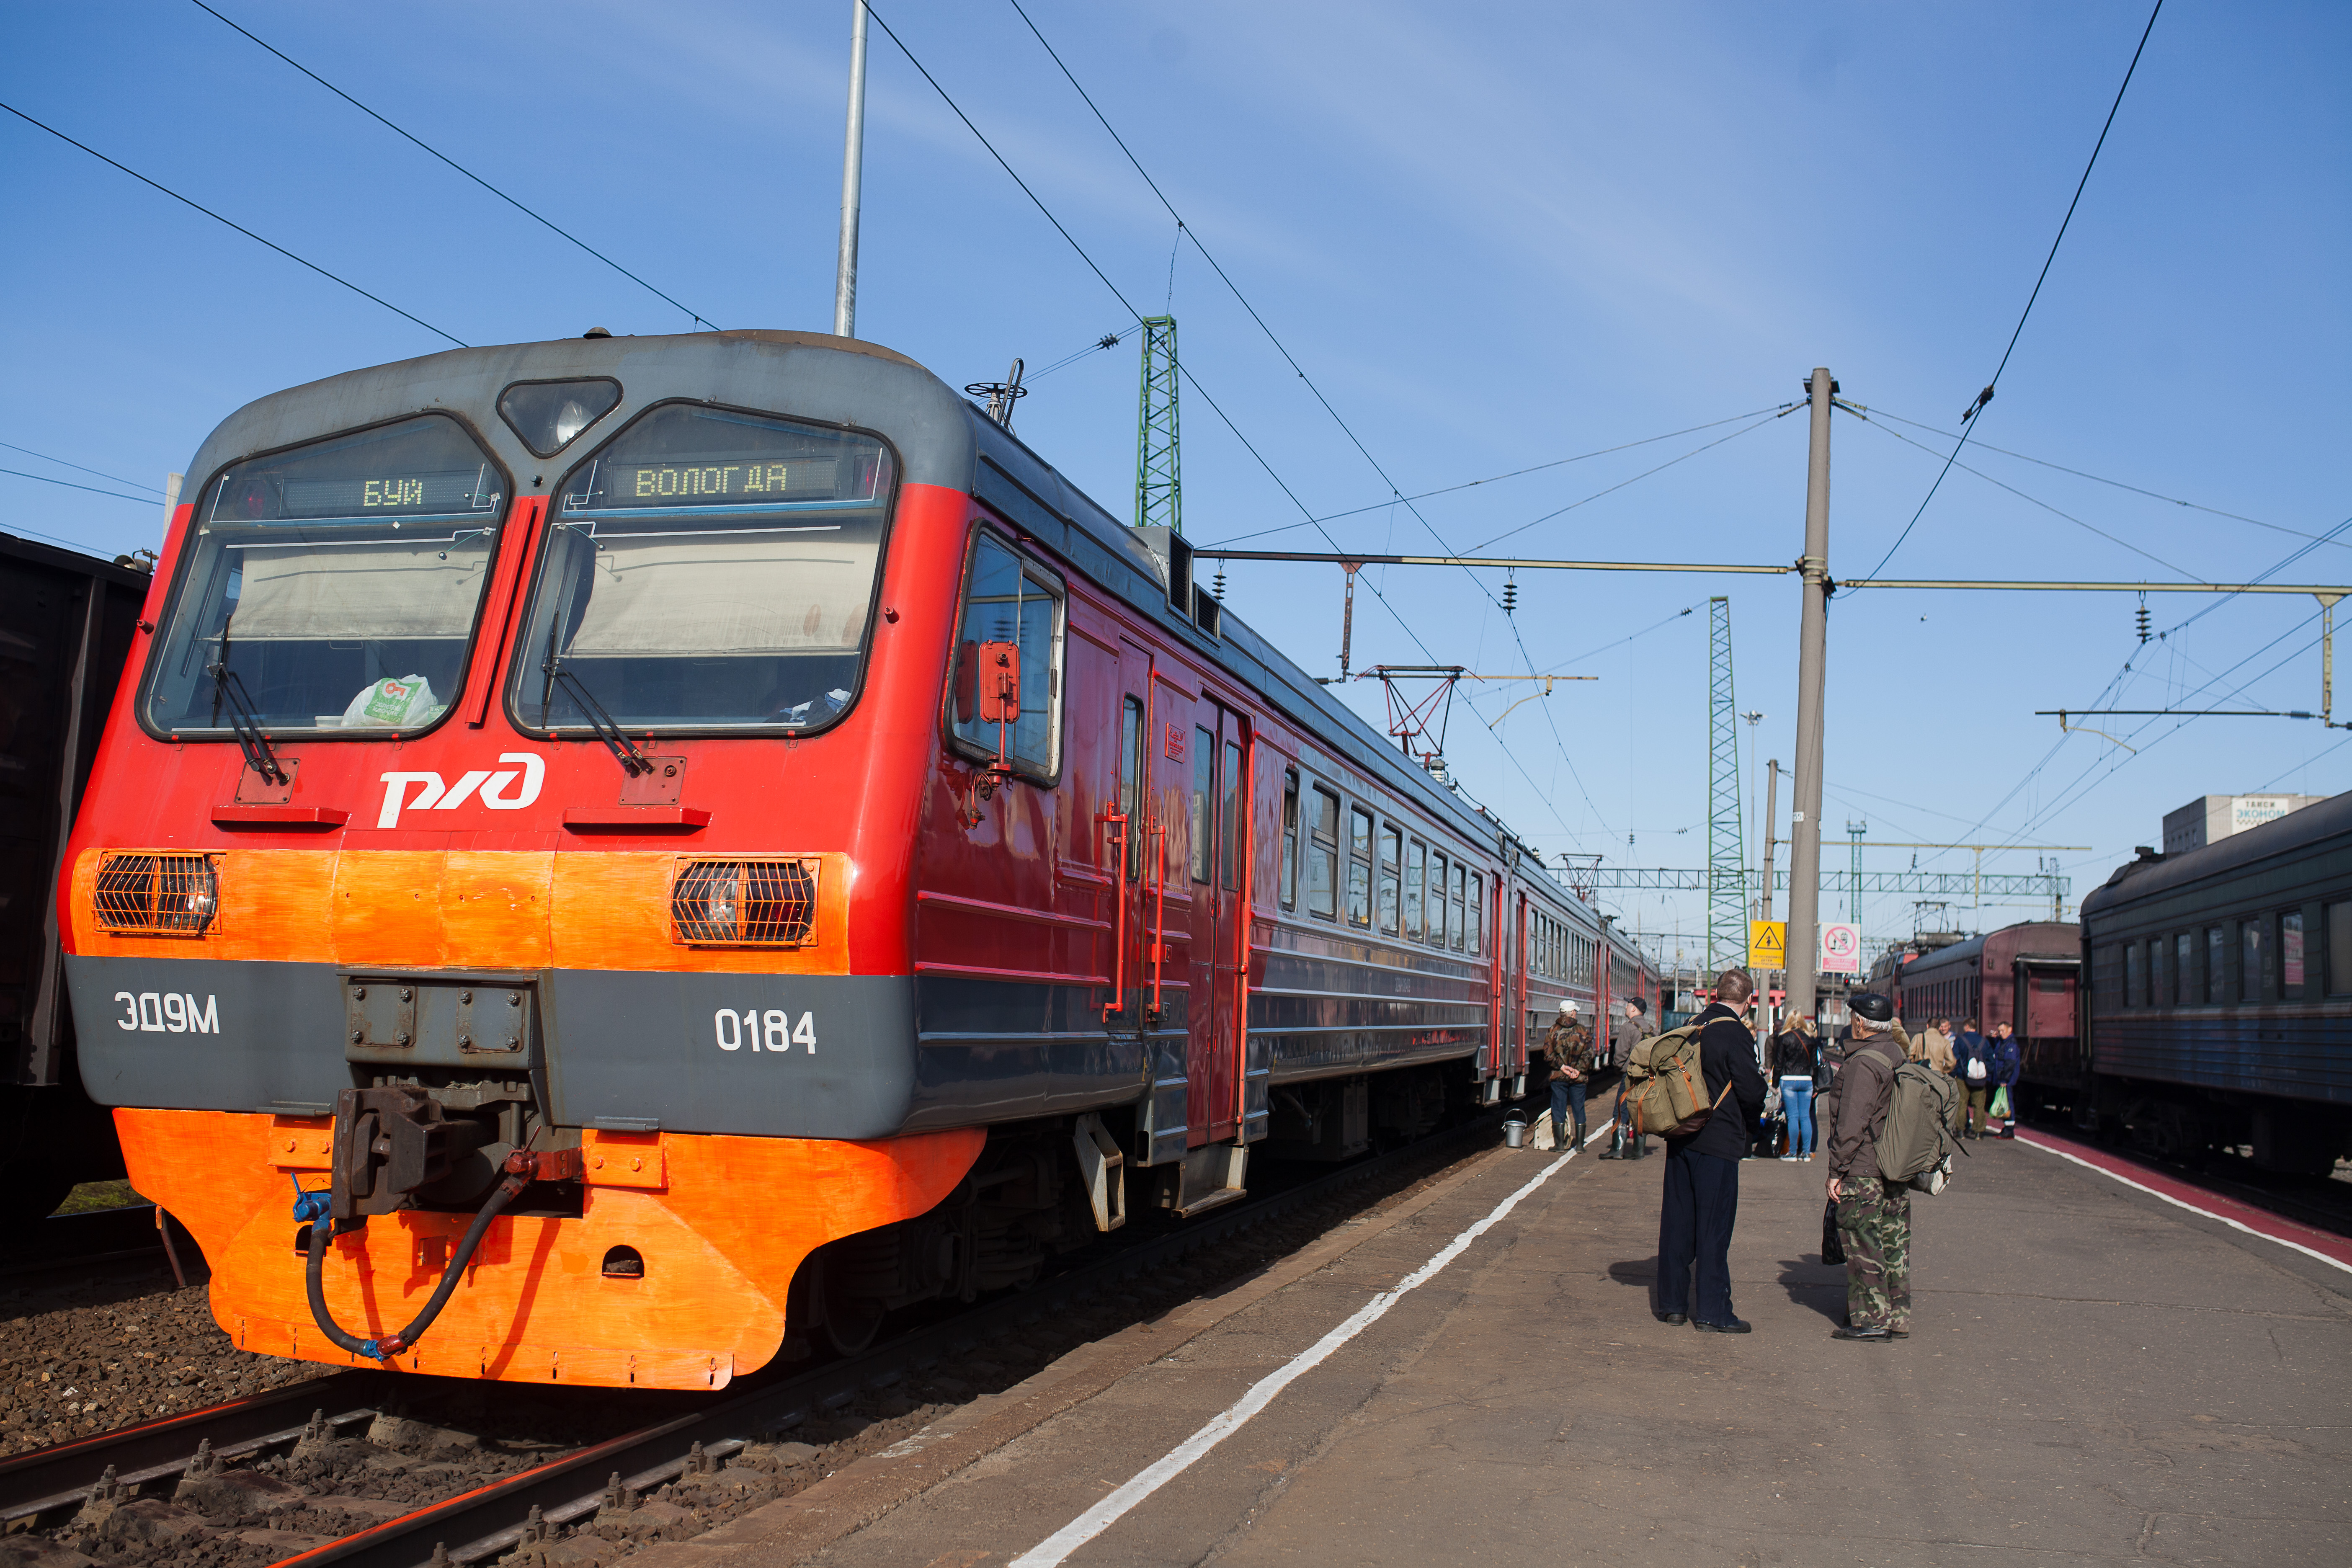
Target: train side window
1289	838
1204	787
1436	899
1229	820
1323	856
2184	966
1416	863
1010	601
2291	956
1461	928
2339	949
2217	966
1359	867
2253	962
1391	856
1130	784
2135	977
1477	927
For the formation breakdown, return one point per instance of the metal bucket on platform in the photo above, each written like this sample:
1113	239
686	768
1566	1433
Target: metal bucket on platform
1514	1131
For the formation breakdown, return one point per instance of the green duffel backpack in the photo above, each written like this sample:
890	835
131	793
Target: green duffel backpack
1916	1142
1665	1092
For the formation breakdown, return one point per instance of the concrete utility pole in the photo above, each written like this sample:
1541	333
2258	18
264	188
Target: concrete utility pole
852	173
1805	818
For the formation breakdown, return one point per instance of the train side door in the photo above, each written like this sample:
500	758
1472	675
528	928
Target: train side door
1216	869
1144	836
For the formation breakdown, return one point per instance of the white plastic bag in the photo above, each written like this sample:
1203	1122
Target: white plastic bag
406	703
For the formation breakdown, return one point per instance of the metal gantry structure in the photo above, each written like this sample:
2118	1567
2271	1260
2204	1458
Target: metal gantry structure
1159	483
1727	856
2042	884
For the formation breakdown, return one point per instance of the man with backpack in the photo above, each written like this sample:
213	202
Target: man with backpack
1874	1213
1702	1180
1972	1064
2007	1064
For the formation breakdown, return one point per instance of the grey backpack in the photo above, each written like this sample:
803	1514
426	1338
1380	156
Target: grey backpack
1916	1142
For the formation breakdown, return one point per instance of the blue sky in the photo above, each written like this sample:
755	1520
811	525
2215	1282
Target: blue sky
1494	234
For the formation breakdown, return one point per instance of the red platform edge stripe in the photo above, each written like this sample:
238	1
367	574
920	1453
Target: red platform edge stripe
2318	1244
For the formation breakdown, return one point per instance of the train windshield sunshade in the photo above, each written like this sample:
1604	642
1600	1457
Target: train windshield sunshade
708	569
333	586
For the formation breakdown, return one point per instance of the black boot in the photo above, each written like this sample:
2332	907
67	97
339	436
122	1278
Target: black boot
1580	1135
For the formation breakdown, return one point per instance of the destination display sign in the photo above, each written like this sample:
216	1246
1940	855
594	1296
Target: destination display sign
384	494
704	484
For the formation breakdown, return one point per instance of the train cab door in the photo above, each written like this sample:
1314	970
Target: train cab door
1216	869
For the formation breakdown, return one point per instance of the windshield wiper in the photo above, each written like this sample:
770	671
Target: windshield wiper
633	762
228	687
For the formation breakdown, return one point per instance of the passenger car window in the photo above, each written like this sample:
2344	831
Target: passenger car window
1436	898
1391	849
1130	784
2135	980
2339	949
2184	963
1229	819
706	569
1009	602
1323	856
1461	900
2290	955
1290	873
2217	969
1416	861
333	587
1359	867
2253	962
1477	912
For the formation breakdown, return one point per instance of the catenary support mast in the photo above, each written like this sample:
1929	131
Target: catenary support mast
1727	855
853	174
1812	636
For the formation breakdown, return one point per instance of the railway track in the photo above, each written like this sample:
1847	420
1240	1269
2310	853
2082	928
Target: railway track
47	1487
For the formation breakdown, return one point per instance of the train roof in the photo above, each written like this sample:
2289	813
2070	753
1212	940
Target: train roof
942	439
2065	935
16	547
2135	879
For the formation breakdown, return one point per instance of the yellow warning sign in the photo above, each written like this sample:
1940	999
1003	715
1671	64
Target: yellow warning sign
1767	944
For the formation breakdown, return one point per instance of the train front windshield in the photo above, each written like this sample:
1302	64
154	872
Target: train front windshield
331	587
706	569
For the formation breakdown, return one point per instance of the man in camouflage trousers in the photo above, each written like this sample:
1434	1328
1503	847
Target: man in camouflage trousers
1568	1043
1874	1215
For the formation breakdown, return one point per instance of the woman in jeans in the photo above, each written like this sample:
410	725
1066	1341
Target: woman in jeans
1796	1054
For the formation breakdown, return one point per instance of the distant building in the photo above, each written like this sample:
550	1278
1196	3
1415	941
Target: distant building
2211	818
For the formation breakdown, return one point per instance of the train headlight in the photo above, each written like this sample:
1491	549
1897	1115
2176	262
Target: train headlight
744	903
157	895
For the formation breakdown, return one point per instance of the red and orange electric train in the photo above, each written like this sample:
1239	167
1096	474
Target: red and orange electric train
614	860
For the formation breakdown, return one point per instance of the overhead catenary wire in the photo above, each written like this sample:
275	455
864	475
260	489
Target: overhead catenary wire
117	494
536	217
1968	426
79	467
240	228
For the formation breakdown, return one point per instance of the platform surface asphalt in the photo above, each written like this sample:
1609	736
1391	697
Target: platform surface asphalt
2094	1376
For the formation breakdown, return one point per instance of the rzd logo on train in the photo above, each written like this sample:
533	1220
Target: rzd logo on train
482	784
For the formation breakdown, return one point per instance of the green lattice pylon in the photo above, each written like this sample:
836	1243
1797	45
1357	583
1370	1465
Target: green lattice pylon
1158	485
1726	859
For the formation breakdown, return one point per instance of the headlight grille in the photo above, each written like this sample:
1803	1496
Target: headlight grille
160	895
744	903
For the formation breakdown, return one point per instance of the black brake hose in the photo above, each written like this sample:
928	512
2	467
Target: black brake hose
313	1271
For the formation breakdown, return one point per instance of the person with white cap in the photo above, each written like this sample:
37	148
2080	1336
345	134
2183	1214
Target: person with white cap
1568	1043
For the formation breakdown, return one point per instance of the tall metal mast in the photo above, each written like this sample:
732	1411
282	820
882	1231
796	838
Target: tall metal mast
1726	859
1805	819
853	173
1158	485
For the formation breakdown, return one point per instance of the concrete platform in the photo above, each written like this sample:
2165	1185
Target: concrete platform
2095	1376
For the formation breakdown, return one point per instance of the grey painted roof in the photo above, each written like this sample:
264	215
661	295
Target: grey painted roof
2284	835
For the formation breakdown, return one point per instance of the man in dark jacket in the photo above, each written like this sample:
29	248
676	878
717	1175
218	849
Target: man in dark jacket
1702	1183
1874	1215
1972	1064
2006	1064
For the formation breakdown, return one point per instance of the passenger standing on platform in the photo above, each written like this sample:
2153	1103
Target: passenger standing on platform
1568	1043
2008	1064
1973	1067
1632	1030
1933	1044
1701	1185
1796	1056
1874	1215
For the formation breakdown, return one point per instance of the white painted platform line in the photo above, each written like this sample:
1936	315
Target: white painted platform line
1059	1546
2192	1208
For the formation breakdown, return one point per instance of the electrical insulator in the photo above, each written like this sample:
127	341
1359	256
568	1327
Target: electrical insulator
1218	587
1510	594
2142	618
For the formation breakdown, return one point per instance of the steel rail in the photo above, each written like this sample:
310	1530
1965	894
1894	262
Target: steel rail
482	1524
46	1481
